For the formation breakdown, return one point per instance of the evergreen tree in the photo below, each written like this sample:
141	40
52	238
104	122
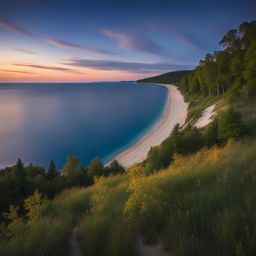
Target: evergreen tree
114	168
81	176
19	170
19	175
250	71
95	168
52	171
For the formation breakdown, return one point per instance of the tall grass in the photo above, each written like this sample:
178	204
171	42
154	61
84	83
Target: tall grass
203	204
206	203
104	230
49	234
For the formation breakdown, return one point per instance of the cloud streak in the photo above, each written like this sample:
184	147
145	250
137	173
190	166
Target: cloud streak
10	26
42	67
65	44
136	67
18	71
136	43
25	51
56	68
193	40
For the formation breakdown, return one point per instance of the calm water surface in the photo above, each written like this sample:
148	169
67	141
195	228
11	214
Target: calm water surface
39	122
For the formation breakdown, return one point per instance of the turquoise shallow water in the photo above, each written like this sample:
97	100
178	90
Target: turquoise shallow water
39	122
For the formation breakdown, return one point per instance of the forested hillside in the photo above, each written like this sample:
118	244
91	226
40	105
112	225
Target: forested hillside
231	70
226	78
168	78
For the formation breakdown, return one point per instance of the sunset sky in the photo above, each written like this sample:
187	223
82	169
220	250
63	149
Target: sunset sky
82	41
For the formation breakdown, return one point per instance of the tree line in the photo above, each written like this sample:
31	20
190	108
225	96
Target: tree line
18	181
232	69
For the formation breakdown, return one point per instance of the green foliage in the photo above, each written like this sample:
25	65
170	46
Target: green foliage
71	166
52	171
45	232
46	237
13	214
181	141
18	182
211	133
114	168
33	171
36	205
207	198
109	234
230	125
233	67
250	71
95	168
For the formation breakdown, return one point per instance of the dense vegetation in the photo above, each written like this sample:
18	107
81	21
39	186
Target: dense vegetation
231	70
168	78
202	204
228	125
195	193
19	181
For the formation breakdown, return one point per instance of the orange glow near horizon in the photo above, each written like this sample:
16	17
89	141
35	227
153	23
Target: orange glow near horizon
15	74
24	75
46	66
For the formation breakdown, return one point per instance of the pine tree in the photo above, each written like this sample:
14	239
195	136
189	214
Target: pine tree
52	171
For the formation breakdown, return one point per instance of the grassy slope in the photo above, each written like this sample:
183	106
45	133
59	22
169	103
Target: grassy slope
168	78
49	234
202	204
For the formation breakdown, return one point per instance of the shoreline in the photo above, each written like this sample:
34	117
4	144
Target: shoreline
175	112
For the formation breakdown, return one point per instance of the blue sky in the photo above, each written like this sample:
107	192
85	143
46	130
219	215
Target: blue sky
59	40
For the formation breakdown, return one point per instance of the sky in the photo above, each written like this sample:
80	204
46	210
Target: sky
110	40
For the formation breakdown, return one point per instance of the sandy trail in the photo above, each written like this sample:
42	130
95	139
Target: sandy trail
150	250
206	117
175	112
75	249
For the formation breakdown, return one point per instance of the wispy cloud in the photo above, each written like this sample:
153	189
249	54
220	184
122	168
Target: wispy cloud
11	26
18	71
42	67
187	32
136	67
65	44
135	42
56	68
193	40
25	51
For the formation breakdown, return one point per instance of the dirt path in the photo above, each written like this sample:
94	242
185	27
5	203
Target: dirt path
150	250
75	249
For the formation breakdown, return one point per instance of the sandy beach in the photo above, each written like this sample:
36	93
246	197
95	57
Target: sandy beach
175	112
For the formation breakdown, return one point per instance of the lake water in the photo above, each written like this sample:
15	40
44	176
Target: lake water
40	122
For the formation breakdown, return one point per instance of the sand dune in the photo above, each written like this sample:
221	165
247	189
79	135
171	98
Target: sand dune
175	112
206	117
